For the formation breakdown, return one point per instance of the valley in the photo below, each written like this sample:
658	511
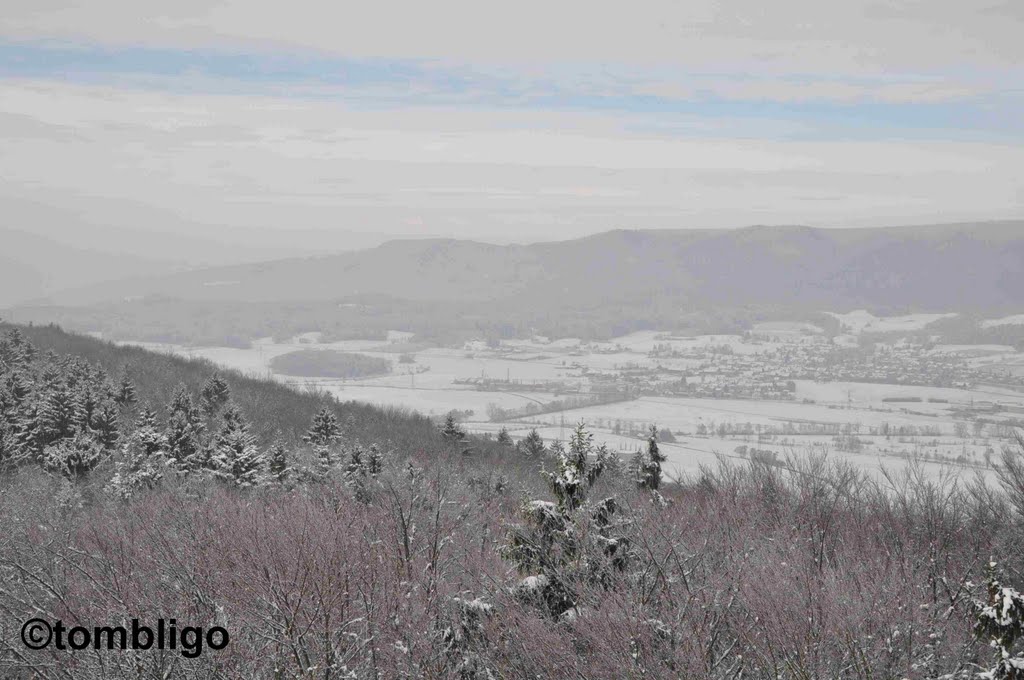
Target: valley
781	389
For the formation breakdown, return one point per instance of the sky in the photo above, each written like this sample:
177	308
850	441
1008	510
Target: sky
507	122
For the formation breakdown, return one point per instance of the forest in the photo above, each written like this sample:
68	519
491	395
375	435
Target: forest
329	364
335	540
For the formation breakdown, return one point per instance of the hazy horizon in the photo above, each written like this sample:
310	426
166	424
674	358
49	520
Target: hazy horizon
536	124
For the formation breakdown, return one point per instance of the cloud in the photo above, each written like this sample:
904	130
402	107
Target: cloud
278	162
466	118
853	36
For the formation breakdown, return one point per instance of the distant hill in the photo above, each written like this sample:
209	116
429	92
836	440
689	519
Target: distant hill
41	259
596	286
945	266
33	266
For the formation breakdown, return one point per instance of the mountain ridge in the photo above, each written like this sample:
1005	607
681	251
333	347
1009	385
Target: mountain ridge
970	264
600	286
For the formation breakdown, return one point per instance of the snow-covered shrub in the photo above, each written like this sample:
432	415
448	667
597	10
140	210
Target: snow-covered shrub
1000	621
236	460
569	541
466	637
74	457
142	463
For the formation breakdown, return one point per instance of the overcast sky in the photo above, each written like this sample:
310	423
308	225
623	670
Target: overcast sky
516	121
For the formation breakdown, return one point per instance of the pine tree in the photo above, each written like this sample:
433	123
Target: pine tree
86	402
57	417
141	464
72	457
647	467
533	444
453	435
570	540
503	438
362	466
148	433
15	351
104	425
324	431
125	396
28	431
214	395
1000	620
146	417
19	388
235	458
322	435
8	445
184	431
450	431
574	475
278	463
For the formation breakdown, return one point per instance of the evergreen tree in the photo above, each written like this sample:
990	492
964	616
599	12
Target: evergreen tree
1000	620
533	444
104	425
146	417
125	396
503	438
15	351
236	459
574	475
647	467
148	433
8	446
324	431
72	457
278	463
322	435
324	459
214	395
141	464
57	417
28	432
184	431
19	388
453	435
362	466
86	402
570	540
450	431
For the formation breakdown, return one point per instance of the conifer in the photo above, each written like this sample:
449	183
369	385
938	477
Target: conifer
125	396
533	444
324	431
214	395
278	463
235	458
184	431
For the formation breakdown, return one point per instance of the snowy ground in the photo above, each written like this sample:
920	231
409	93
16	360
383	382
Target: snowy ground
862	321
1016	319
428	386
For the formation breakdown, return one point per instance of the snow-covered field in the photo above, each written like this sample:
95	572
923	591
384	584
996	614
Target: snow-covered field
687	415
1016	319
862	321
687	455
428	386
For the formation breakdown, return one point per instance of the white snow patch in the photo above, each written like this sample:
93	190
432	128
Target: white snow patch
1015	320
863	321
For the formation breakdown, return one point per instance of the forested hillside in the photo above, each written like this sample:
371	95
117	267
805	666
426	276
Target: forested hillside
596	287
276	411
339	541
